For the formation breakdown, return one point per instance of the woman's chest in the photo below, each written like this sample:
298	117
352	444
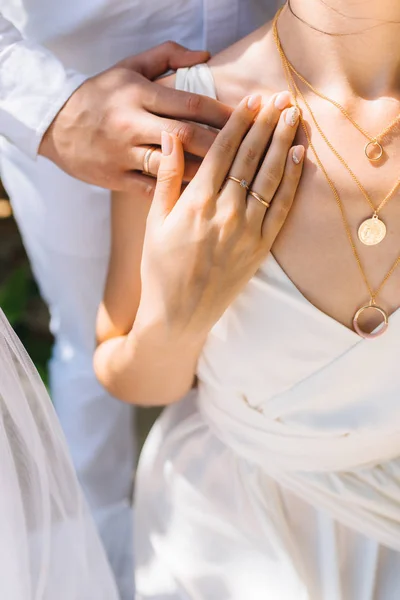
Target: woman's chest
277	354
320	247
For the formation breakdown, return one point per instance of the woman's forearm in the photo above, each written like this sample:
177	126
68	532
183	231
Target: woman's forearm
200	249
150	366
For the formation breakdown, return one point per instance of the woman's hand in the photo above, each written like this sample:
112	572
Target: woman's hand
203	246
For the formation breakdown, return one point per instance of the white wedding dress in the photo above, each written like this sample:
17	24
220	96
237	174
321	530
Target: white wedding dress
49	548
279	477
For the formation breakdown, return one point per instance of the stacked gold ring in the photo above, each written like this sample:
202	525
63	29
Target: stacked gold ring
259	198
243	183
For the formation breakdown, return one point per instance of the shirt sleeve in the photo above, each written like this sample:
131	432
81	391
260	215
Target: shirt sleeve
34	86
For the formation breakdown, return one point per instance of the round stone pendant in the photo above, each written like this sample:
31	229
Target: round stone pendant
372	231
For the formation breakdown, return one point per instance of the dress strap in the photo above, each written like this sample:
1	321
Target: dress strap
197	79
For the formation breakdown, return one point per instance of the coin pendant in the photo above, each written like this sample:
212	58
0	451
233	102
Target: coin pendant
372	231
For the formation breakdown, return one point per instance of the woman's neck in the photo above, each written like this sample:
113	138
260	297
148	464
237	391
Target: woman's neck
366	63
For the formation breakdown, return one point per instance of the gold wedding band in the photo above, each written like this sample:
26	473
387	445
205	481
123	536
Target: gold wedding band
146	161
242	182
259	198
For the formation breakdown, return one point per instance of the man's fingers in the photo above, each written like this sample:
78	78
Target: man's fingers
187	106
149	157
195	139
165	57
136	184
192	165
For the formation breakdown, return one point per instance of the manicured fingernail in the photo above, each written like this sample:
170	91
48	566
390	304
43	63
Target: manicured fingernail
282	100
298	154
166	143
254	102
291	116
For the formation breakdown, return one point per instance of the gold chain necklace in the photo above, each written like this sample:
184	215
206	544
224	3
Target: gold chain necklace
373	149
333	33
372	293
372	230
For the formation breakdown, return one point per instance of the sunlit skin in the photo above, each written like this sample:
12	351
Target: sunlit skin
360	71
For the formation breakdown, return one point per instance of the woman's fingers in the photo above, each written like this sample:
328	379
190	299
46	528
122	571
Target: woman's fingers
170	175
283	199
271	171
218	161
253	147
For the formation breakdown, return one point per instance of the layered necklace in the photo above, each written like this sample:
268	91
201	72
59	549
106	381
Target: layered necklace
373	149
372	230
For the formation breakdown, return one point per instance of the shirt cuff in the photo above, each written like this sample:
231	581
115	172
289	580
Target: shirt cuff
34	86
72	83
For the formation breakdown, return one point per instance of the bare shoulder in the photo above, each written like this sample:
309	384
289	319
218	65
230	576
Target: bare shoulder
250	66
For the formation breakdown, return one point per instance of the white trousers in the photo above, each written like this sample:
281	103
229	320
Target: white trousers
65	228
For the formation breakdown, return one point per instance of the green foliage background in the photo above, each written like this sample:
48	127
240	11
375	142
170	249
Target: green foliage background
16	295
20	298
27	313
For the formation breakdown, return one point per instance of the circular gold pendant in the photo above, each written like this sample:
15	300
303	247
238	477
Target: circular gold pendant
373	150
372	231
374	334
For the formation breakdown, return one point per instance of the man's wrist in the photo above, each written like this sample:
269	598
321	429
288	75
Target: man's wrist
45	145
34	86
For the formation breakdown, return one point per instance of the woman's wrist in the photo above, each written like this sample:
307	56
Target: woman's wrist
167	334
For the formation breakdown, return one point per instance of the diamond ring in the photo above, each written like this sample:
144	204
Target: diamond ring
242	182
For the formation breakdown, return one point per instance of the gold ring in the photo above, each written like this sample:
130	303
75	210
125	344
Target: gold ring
259	198
242	182
146	161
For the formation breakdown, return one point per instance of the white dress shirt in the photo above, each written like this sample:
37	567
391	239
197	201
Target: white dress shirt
47	48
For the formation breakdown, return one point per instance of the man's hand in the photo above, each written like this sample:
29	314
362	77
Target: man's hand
99	134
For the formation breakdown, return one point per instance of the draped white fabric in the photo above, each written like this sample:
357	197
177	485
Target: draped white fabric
280	476
49	548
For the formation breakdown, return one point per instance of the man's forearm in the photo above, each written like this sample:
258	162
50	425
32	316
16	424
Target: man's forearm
33	87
